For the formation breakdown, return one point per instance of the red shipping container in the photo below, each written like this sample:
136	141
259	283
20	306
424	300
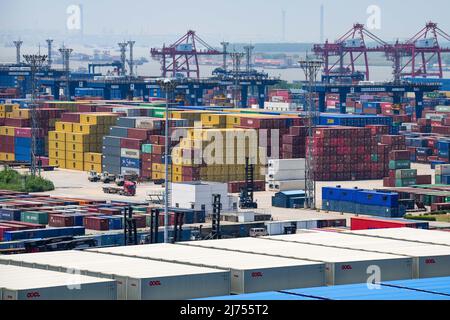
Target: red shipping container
96	223
110	211
71	117
423	179
440	206
130	143
60	220
399	155
156	139
158	149
359	223
17	122
157	158
141	134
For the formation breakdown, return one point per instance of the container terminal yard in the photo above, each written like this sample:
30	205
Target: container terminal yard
234	185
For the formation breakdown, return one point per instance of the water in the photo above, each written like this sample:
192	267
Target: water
153	68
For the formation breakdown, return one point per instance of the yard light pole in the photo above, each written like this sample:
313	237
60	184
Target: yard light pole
168	86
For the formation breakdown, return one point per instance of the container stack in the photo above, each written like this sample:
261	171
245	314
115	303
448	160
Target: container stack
442	174
294	143
215	155
285	175
78	137
365	202
348	153
400	172
16	132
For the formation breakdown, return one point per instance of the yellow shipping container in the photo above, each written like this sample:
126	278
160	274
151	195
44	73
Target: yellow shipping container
21	113
84	128
7	131
56	145
64	126
7	156
177	178
93	157
75	165
2	114
90	118
57	163
78	147
15	107
57	136
75	156
6	107
93	167
57	154
78	138
157	175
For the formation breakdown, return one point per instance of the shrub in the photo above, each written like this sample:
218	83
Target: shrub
13	180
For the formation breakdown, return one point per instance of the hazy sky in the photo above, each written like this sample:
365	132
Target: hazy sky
232	20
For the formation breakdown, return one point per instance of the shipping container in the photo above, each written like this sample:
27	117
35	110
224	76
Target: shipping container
428	260
18	283
137	279
343	266
249	272
409	234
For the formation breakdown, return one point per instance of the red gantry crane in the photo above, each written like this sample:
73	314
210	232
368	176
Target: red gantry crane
351	48
182	56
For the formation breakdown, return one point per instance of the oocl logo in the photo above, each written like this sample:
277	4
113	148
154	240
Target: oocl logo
430	261
346	267
34	294
257	274
154	283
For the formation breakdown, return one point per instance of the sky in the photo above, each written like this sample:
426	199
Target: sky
230	20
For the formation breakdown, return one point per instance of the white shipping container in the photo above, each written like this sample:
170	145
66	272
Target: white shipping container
409	234
428	260
130	171
285	175
275	228
286	185
137	279
130	153
286	164
18	283
148	123
343	266
249	272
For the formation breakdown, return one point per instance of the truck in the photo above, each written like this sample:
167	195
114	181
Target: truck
128	189
93	176
107	177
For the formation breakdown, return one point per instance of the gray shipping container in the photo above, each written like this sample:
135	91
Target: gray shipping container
111	160
18	283
126	122
249	272
428	260
111	151
137	279
111	141
343	266
118	132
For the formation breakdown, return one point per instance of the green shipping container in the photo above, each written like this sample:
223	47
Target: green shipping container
374	157
438	179
37	217
147	148
405	173
158	113
399	164
405	182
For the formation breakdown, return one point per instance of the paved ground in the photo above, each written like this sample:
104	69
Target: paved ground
75	184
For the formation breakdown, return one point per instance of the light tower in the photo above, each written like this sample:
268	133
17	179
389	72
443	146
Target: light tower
36	61
123	56
236	58
248	53
18	45
65	52
49	53
131	61
225	53
311	68
168	86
